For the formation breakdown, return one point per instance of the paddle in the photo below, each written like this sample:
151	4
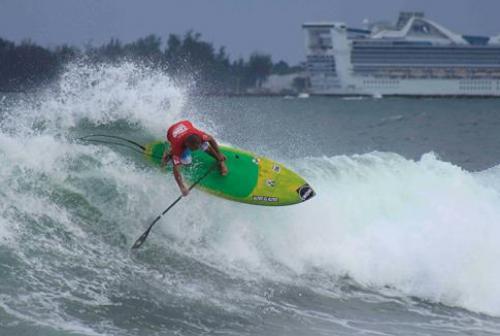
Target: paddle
138	243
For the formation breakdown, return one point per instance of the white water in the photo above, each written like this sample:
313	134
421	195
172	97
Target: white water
409	228
101	94
426	229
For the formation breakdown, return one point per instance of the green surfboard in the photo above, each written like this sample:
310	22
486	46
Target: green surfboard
251	179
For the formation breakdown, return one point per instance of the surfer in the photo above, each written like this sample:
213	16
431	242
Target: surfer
184	138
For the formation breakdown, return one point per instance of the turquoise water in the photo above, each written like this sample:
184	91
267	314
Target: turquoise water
401	239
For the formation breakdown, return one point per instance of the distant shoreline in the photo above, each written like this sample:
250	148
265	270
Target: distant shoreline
277	95
348	96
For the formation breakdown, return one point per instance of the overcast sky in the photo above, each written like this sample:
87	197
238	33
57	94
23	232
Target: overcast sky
243	26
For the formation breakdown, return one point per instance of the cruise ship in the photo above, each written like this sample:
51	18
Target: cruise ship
414	57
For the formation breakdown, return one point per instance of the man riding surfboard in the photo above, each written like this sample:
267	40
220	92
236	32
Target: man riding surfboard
184	138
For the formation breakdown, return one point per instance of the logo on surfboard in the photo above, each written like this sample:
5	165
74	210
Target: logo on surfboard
266	198
305	192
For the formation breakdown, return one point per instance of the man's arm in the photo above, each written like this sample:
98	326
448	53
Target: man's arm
216	152
180	181
213	149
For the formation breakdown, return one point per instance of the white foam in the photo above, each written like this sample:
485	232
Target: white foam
45	234
427	228
100	94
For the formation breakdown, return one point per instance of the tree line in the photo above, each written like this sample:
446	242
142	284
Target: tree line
188	57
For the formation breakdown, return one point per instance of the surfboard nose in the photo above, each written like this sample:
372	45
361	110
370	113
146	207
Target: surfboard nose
305	192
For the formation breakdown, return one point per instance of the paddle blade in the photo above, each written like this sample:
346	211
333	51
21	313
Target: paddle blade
138	243
144	236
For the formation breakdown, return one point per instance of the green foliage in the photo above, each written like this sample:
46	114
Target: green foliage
259	68
187	58
26	64
300	84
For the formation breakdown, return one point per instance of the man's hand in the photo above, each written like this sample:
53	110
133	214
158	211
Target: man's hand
180	182
185	191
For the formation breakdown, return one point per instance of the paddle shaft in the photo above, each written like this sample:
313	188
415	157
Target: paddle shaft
138	243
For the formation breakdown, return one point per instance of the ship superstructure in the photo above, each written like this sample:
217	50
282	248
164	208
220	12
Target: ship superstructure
415	56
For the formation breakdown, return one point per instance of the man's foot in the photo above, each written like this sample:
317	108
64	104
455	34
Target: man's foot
223	168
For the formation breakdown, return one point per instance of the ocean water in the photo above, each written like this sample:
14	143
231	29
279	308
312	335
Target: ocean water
401	239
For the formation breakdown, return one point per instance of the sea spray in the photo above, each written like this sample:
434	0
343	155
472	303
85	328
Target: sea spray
100	94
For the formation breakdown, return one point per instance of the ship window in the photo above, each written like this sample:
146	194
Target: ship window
420	27
320	39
